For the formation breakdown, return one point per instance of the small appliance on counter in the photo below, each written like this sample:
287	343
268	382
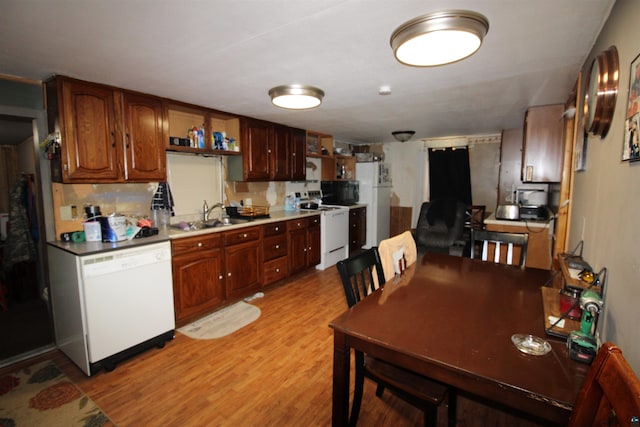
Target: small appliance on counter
509	212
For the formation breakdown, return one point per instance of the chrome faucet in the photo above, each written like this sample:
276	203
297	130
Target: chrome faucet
206	210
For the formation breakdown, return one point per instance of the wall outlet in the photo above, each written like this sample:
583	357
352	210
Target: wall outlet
68	212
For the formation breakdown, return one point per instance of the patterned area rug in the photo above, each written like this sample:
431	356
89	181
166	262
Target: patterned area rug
41	395
222	322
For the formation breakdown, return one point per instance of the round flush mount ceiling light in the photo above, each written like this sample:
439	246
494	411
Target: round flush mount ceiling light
296	97
403	135
439	38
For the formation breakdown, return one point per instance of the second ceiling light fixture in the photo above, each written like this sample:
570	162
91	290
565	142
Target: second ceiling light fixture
434	39
439	38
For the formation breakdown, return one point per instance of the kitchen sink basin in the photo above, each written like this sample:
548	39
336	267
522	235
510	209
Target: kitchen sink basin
224	222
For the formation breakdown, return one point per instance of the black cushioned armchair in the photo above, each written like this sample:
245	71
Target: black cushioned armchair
440	227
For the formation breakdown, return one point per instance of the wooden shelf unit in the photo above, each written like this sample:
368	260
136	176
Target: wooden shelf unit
182	117
316	141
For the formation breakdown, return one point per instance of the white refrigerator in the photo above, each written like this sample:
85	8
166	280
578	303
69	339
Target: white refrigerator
375	192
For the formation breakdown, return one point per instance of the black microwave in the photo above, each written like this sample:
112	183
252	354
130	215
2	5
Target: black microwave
344	193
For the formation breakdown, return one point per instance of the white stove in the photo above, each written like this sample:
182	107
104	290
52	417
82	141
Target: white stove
334	228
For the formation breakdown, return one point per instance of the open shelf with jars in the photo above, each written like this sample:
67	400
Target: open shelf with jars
339	168
319	145
192	129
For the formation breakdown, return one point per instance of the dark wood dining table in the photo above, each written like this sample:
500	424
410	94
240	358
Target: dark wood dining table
451	319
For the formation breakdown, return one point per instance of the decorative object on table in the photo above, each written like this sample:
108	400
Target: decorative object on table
42	395
601	92
631	143
222	322
530	344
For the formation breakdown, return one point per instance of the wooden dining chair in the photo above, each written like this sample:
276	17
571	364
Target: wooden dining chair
357	274
494	241
610	394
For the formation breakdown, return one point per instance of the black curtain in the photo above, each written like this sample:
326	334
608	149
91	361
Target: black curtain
449	174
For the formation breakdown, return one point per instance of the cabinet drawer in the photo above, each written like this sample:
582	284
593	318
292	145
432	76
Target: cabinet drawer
274	247
273	228
242	235
296	224
195	243
275	270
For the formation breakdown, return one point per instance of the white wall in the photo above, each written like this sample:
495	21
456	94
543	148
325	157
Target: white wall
606	205
409	166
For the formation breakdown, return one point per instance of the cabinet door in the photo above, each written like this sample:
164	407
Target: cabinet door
543	144
313	245
357	228
90	141
298	166
279	153
198	283
297	244
243	265
144	146
255	153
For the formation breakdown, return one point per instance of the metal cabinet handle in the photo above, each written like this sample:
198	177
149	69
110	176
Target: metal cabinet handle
244	236
277	270
277	246
277	228
229	274
200	244
220	277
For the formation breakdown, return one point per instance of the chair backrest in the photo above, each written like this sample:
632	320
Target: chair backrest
388	247
474	216
357	274
610	394
495	241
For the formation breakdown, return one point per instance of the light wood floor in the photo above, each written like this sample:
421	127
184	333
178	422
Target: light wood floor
274	372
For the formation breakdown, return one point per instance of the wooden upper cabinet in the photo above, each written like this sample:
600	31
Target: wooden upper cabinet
107	135
255	149
542	149
87	121
270	152
279	153
298	148
143	137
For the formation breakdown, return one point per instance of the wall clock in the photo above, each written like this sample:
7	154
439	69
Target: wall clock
601	92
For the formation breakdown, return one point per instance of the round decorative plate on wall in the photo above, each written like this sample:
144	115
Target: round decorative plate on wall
601	92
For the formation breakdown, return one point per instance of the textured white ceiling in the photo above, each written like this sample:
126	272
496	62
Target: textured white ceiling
227	54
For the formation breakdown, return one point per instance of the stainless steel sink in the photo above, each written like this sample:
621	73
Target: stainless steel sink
224	222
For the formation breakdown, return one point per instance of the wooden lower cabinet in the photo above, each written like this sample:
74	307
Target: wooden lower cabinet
303	239
313	241
198	281
539	246
212	269
274	252
357	228
297	243
242	258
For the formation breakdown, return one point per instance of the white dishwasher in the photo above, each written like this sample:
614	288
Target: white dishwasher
110	305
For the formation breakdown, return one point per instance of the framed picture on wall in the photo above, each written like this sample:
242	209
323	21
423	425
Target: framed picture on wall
631	143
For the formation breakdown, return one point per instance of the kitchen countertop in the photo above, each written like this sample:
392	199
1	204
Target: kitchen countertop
88	248
491	219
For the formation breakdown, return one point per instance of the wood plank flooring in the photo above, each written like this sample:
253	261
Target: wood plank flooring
275	372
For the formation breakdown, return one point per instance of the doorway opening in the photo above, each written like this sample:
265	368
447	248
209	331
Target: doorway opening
26	324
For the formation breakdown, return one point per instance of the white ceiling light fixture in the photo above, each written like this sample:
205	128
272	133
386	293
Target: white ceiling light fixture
403	135
439	38
296	97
